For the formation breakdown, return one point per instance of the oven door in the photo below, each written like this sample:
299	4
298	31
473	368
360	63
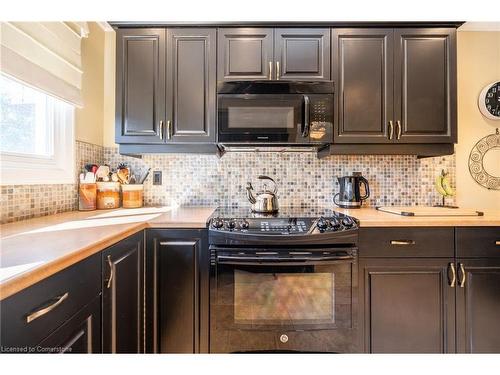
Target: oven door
266	118
285	300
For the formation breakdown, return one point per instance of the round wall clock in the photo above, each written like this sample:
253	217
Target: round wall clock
489	101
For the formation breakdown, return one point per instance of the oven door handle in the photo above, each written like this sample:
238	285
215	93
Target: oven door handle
277	260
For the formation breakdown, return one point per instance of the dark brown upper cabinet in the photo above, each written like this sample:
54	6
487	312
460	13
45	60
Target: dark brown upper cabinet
395	85
123	296
140	85
191	85
302	54
272	54
425	101
363	71
245	54
166	86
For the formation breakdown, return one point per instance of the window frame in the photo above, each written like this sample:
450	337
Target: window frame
59	168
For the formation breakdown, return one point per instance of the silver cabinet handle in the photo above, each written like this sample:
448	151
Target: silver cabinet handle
270	70
45	310
277	70
169	130
391	130
402	242
111	273
398	136
453	275
161	129
462	279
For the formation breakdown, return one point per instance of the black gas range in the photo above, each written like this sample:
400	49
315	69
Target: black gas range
283	282
292	224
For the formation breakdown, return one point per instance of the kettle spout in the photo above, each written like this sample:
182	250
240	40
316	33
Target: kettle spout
250	196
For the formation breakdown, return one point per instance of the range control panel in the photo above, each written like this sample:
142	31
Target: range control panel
280	226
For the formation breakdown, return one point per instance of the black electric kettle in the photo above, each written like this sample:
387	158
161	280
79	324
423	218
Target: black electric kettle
350	192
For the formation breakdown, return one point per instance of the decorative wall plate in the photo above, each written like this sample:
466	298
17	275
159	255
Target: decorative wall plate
476	161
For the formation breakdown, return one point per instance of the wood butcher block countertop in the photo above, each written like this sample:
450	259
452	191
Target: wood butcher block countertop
34	249
370	217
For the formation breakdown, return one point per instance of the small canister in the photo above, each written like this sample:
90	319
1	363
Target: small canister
87	197
132	195
108	195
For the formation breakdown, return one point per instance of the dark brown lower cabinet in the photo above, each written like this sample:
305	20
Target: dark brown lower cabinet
409	305
80	335
177	291
123	296
478	305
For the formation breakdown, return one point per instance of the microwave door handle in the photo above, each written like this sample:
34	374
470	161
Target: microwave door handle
305	130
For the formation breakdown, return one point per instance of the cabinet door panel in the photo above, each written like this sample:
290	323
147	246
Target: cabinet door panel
191	75
123	296
244	54
408	306
177	291
79	335
303	54
363	71
478	306
425	85
140	85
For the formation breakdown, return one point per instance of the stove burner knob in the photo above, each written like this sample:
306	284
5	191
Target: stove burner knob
244	224
231	224
322	224
334	223
217	223
347	222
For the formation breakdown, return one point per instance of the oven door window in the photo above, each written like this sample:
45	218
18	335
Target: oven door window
297	297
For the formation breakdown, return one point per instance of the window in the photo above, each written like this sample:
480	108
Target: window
36	136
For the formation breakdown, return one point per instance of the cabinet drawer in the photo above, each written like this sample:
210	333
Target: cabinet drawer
406	242
48	304
475	242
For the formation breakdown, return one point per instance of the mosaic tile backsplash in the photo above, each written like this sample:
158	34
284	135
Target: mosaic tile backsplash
20	202
301	177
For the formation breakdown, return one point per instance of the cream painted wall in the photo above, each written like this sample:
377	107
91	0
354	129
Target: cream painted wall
478	65
109	89
89	119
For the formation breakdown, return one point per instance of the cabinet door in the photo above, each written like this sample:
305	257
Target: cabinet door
80	334
425	102
478	306
245	54
408	305
363	74
140	85
123	296
302	54
177	291
191	85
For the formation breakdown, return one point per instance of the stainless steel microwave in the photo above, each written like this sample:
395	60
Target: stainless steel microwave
275	113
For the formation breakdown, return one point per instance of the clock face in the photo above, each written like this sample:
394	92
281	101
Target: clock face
489	101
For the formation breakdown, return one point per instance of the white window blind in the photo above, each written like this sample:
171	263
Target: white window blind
45	55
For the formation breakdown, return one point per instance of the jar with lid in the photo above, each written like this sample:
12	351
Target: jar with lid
108	195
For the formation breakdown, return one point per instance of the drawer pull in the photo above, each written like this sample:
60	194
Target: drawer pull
402	242
462	271
47	309
110	272
497	243
453	275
